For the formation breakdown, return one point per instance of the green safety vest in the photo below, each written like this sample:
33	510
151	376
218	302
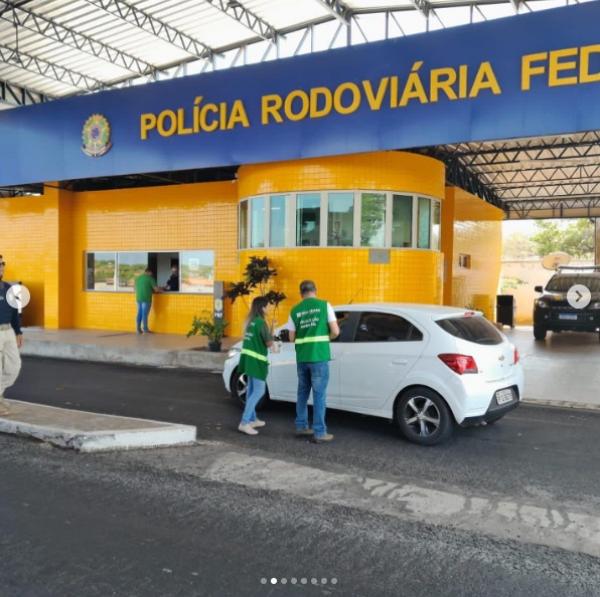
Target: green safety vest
312	331
254	360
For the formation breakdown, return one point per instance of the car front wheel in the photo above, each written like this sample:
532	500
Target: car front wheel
423	417
539	333
239	390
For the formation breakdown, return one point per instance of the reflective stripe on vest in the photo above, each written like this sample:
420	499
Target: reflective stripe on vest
254	355
312	339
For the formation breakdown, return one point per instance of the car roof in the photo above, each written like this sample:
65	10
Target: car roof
435	311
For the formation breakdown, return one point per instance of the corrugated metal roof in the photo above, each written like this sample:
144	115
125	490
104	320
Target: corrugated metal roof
62	47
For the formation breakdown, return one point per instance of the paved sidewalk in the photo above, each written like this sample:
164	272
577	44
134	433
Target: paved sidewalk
106	346
91	432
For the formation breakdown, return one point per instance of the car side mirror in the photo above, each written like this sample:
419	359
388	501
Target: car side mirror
539	288
284	335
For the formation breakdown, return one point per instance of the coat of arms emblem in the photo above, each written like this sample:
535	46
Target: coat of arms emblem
96	136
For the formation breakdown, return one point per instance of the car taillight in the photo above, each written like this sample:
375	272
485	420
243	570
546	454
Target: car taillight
459	363
516	356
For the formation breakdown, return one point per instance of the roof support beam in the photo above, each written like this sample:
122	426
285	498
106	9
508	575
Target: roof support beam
52	30
146	22
15	95
246	17
338	9
423	7
48	69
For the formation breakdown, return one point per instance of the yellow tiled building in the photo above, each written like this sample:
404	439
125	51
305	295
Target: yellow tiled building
366	227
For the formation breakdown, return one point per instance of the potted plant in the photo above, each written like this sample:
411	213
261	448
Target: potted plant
206	325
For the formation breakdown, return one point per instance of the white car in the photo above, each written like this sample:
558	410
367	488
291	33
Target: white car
426	367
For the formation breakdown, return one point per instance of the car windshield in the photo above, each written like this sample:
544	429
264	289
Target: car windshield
562	283
473	329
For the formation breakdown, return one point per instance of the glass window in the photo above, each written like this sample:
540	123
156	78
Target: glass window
340	220
475	329
130	266
435	226
347	322
243	225
257	222
385	327
308	219
424	220
372	220
100	274
278	229
402	208
197	271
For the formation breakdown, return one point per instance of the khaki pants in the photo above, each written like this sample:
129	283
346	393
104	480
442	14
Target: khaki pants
10	359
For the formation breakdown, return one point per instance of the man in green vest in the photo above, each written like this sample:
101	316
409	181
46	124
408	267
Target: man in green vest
312	325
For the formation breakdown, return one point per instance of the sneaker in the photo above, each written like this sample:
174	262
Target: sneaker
322	438
247	429
304	432
140	332
257	423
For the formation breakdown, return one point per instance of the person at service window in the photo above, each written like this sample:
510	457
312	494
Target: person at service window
11	340
172	284
145	286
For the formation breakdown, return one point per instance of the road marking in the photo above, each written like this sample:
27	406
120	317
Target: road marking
499	516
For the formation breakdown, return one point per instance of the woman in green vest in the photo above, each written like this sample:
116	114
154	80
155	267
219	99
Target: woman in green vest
254	362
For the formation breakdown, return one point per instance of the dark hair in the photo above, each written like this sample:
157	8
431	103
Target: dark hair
148	270
307	286
257	309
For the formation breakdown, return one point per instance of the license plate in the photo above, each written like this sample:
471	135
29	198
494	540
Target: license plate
568	316
504	396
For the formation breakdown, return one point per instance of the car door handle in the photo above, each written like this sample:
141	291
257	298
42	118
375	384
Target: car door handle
399	362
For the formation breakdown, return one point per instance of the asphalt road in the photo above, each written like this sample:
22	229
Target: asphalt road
145	524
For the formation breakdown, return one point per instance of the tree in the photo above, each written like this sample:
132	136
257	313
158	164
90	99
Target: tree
518	246
575	238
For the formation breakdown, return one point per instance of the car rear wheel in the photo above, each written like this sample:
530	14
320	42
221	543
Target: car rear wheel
539	333
239	389
423	417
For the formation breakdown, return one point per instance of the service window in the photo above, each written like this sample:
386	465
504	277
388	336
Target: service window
100	271
197	271
129	267
385	327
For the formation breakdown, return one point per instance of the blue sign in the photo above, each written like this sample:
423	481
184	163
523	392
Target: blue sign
528	75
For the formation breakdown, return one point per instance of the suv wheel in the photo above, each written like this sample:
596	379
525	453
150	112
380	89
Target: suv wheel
239	389
539	333
423	417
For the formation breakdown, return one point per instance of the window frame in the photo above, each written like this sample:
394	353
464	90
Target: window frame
388	314
148	252
292	219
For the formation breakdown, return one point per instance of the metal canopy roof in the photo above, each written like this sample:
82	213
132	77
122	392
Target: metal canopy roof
57	48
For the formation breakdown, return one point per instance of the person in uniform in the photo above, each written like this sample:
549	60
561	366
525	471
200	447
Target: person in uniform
312	325
11	340
254	363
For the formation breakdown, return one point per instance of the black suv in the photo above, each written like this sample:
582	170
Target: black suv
552	311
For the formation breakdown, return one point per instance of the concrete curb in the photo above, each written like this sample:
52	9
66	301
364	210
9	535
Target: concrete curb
184	359
567	404
31	420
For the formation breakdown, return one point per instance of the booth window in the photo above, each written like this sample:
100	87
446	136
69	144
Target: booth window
277	220
243	224
377	220
424	223
129	267
372	220
308	219
100	271
402	218
107	271
257	222
340	219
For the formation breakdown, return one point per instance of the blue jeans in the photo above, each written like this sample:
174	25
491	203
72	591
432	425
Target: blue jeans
313	376
142	315
255	390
